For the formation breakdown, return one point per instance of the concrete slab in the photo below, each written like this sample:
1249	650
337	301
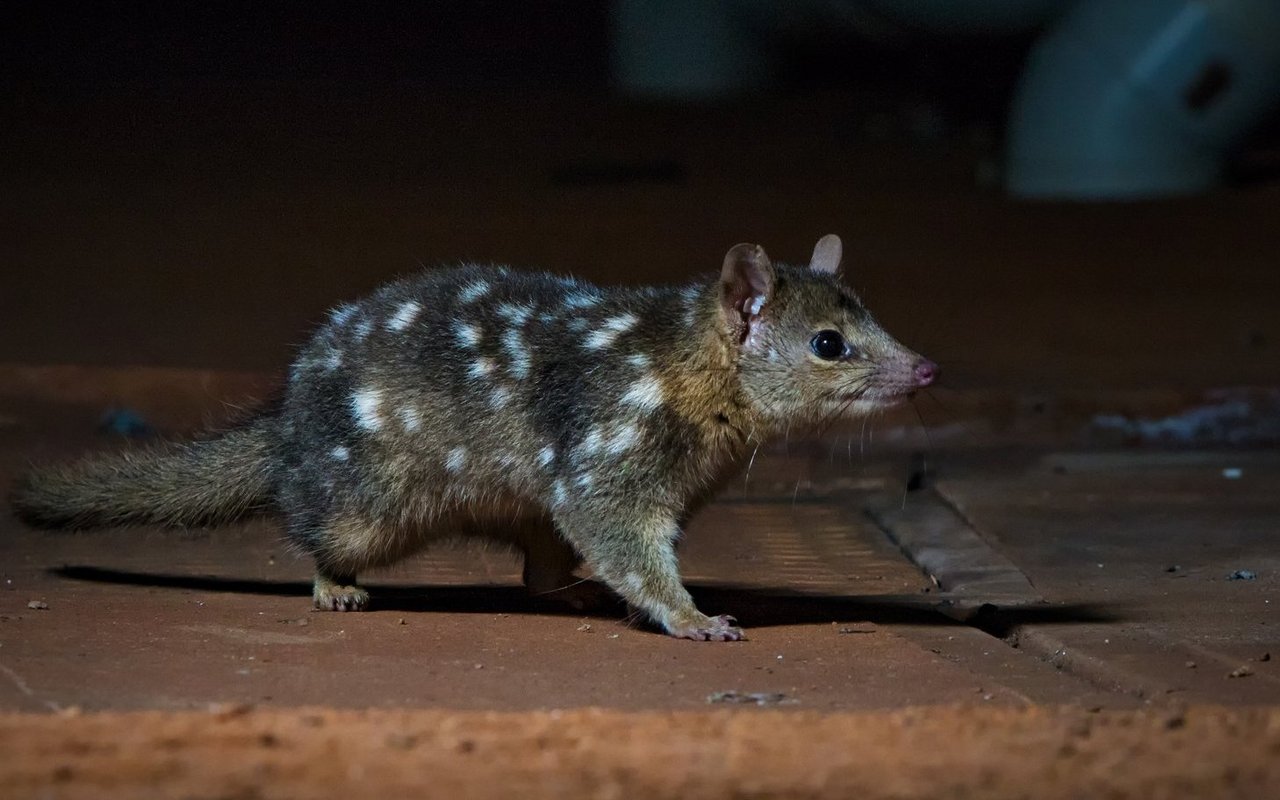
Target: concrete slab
1154	538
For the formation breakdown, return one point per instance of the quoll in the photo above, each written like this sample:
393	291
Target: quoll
574	422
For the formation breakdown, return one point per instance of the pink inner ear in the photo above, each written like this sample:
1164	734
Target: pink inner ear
745	284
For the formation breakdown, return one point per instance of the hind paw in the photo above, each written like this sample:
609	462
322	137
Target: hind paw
330	596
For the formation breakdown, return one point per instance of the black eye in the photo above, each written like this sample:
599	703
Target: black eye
828	345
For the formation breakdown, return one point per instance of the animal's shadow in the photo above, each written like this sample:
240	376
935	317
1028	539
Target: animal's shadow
755	607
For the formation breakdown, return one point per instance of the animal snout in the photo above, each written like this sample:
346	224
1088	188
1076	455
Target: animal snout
926	372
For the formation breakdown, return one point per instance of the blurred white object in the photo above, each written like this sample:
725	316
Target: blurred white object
1119	99
1141	98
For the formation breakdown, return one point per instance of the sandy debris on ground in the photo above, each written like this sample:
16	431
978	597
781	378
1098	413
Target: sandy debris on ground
919	752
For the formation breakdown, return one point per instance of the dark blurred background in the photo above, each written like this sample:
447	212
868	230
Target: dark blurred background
1044	196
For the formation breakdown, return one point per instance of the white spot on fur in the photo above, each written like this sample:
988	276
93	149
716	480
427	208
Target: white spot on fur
623	438
520	366
500	397
610	330
365	404
342	314
362	329
561	494
581	299
467	335
514	345
546	455
473	291
340	453
593	441
457	458
404	316
333	360
577	324
480	368
410	418
638	360
546	318
622	322
585	480
645	393
515	313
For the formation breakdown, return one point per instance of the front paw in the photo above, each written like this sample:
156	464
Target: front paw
702	628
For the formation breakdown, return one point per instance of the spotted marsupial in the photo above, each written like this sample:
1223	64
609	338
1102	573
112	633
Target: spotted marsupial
574	422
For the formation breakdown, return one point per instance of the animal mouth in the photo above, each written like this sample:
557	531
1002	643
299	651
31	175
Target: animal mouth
874	398
890	386
884	393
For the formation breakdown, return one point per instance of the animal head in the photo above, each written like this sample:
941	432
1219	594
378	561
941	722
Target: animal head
807	347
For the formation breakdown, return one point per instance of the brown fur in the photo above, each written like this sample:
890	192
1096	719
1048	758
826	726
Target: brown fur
182	485
569	422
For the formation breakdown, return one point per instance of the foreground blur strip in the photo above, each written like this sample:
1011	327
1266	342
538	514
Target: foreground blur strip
918	752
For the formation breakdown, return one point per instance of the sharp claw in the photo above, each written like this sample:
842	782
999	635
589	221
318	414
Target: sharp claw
717	629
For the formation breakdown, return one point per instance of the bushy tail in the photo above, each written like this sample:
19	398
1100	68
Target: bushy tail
186	485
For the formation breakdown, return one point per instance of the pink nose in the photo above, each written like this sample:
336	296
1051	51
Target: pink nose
926	372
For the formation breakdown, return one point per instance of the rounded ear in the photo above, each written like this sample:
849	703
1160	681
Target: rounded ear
746	283
826	254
